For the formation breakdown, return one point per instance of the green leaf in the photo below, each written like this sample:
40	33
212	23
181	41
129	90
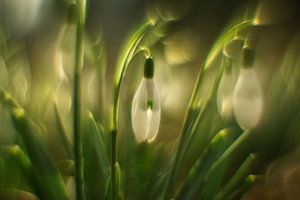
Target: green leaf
118	180
212	185
196	177
108	188
62	134
96	159
46	174
247	183
14	161
238	177
107	194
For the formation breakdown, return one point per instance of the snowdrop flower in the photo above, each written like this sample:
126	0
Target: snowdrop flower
146	108
247	95
225	90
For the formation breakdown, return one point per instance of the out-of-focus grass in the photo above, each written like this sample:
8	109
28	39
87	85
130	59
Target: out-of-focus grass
213	158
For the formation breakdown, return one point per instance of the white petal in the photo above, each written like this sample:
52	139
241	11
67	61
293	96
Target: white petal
247	99
145	121
224	96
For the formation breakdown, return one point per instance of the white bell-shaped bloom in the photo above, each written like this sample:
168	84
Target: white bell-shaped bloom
225	92
247	99
146	111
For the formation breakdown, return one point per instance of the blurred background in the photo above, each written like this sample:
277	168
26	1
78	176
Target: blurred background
37	47
40	33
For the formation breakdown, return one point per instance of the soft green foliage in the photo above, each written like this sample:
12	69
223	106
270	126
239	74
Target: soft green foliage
213	158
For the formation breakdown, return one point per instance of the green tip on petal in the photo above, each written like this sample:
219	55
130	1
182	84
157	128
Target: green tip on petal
248	56
149	104
149	68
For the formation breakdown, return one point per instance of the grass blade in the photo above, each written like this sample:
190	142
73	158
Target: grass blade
45	172
47	175
238	177
79	59
248	182
213	151
63	136
123	63
96	159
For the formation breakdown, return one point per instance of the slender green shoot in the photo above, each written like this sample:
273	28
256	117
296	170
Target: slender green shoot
128	53
238	177
79	59
62	133
216	49
229	151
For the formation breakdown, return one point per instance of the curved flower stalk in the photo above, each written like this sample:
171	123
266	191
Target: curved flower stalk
146	108
247	95
127	55
191	120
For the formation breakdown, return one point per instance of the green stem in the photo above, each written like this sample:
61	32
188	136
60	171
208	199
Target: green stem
196	123
238	177
229	151
249	181
188	135
79	58
183	137
113	163
128	54
217	145
215	50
